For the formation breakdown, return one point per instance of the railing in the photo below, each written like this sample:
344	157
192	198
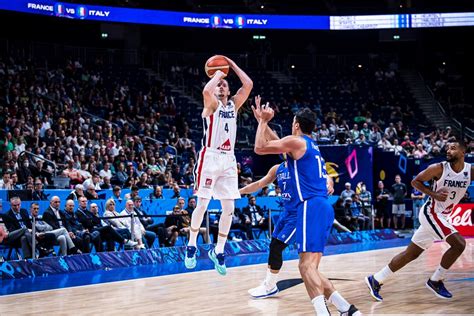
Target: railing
23	153
464	130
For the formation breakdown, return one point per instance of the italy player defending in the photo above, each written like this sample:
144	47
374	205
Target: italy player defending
314	213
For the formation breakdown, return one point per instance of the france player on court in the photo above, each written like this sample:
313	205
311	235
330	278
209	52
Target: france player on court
314	213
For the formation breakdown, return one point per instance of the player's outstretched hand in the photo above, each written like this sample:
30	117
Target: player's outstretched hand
257	109
267	113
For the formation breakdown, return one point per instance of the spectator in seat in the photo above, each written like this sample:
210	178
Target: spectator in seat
91	194
38	193
348	192
16	238
119	224
138	231
341	214
17	218
179	219
94	181
76	193
157	193
253	214
93	224
419	153
106	185
81	237
116	193
263	192
362	221
14	182
63	239
106	172
23	172
72	173
176	192
191	205
143	182
5	182
146	221
133	193
120	176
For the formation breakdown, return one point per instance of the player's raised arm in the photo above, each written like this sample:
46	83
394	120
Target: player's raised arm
269	133
210	99
266	180
434	171
288	144
247	84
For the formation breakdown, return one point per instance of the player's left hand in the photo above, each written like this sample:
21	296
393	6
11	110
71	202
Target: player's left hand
257	110
267	113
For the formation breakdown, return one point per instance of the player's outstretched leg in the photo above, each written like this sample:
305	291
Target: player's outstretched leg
196	220
275	260
374	282
435	282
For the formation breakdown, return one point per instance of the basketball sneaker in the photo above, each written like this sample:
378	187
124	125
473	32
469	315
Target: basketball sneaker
353	311
219	261
374	287
264	290
190	257
438	288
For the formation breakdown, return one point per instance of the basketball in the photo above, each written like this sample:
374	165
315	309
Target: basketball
216	62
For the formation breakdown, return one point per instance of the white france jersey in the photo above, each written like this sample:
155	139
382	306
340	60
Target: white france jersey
220	128
456	183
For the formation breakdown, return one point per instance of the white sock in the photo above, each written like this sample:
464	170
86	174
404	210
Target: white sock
337	300
320	306
383	274
271	279
220	244
439	274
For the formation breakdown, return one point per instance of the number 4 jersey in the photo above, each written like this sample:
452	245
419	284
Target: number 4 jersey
220	128
215	173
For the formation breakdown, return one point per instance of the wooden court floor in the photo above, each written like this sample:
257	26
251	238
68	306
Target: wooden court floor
206	292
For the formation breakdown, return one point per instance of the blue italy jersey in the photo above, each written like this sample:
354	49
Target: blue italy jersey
288	193
309	172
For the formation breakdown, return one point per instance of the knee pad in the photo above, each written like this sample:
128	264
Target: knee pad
275	257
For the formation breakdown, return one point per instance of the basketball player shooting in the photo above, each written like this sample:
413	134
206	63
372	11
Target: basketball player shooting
216	168
450	179
314	214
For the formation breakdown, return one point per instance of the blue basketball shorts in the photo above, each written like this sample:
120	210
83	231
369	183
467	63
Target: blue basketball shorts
315	218
285	228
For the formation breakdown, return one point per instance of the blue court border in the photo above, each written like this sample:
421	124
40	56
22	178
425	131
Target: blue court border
58	281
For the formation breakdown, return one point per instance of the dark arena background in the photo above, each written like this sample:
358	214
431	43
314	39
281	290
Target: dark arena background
100	105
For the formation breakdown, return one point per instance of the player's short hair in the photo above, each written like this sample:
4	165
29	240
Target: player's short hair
460	142
306	119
